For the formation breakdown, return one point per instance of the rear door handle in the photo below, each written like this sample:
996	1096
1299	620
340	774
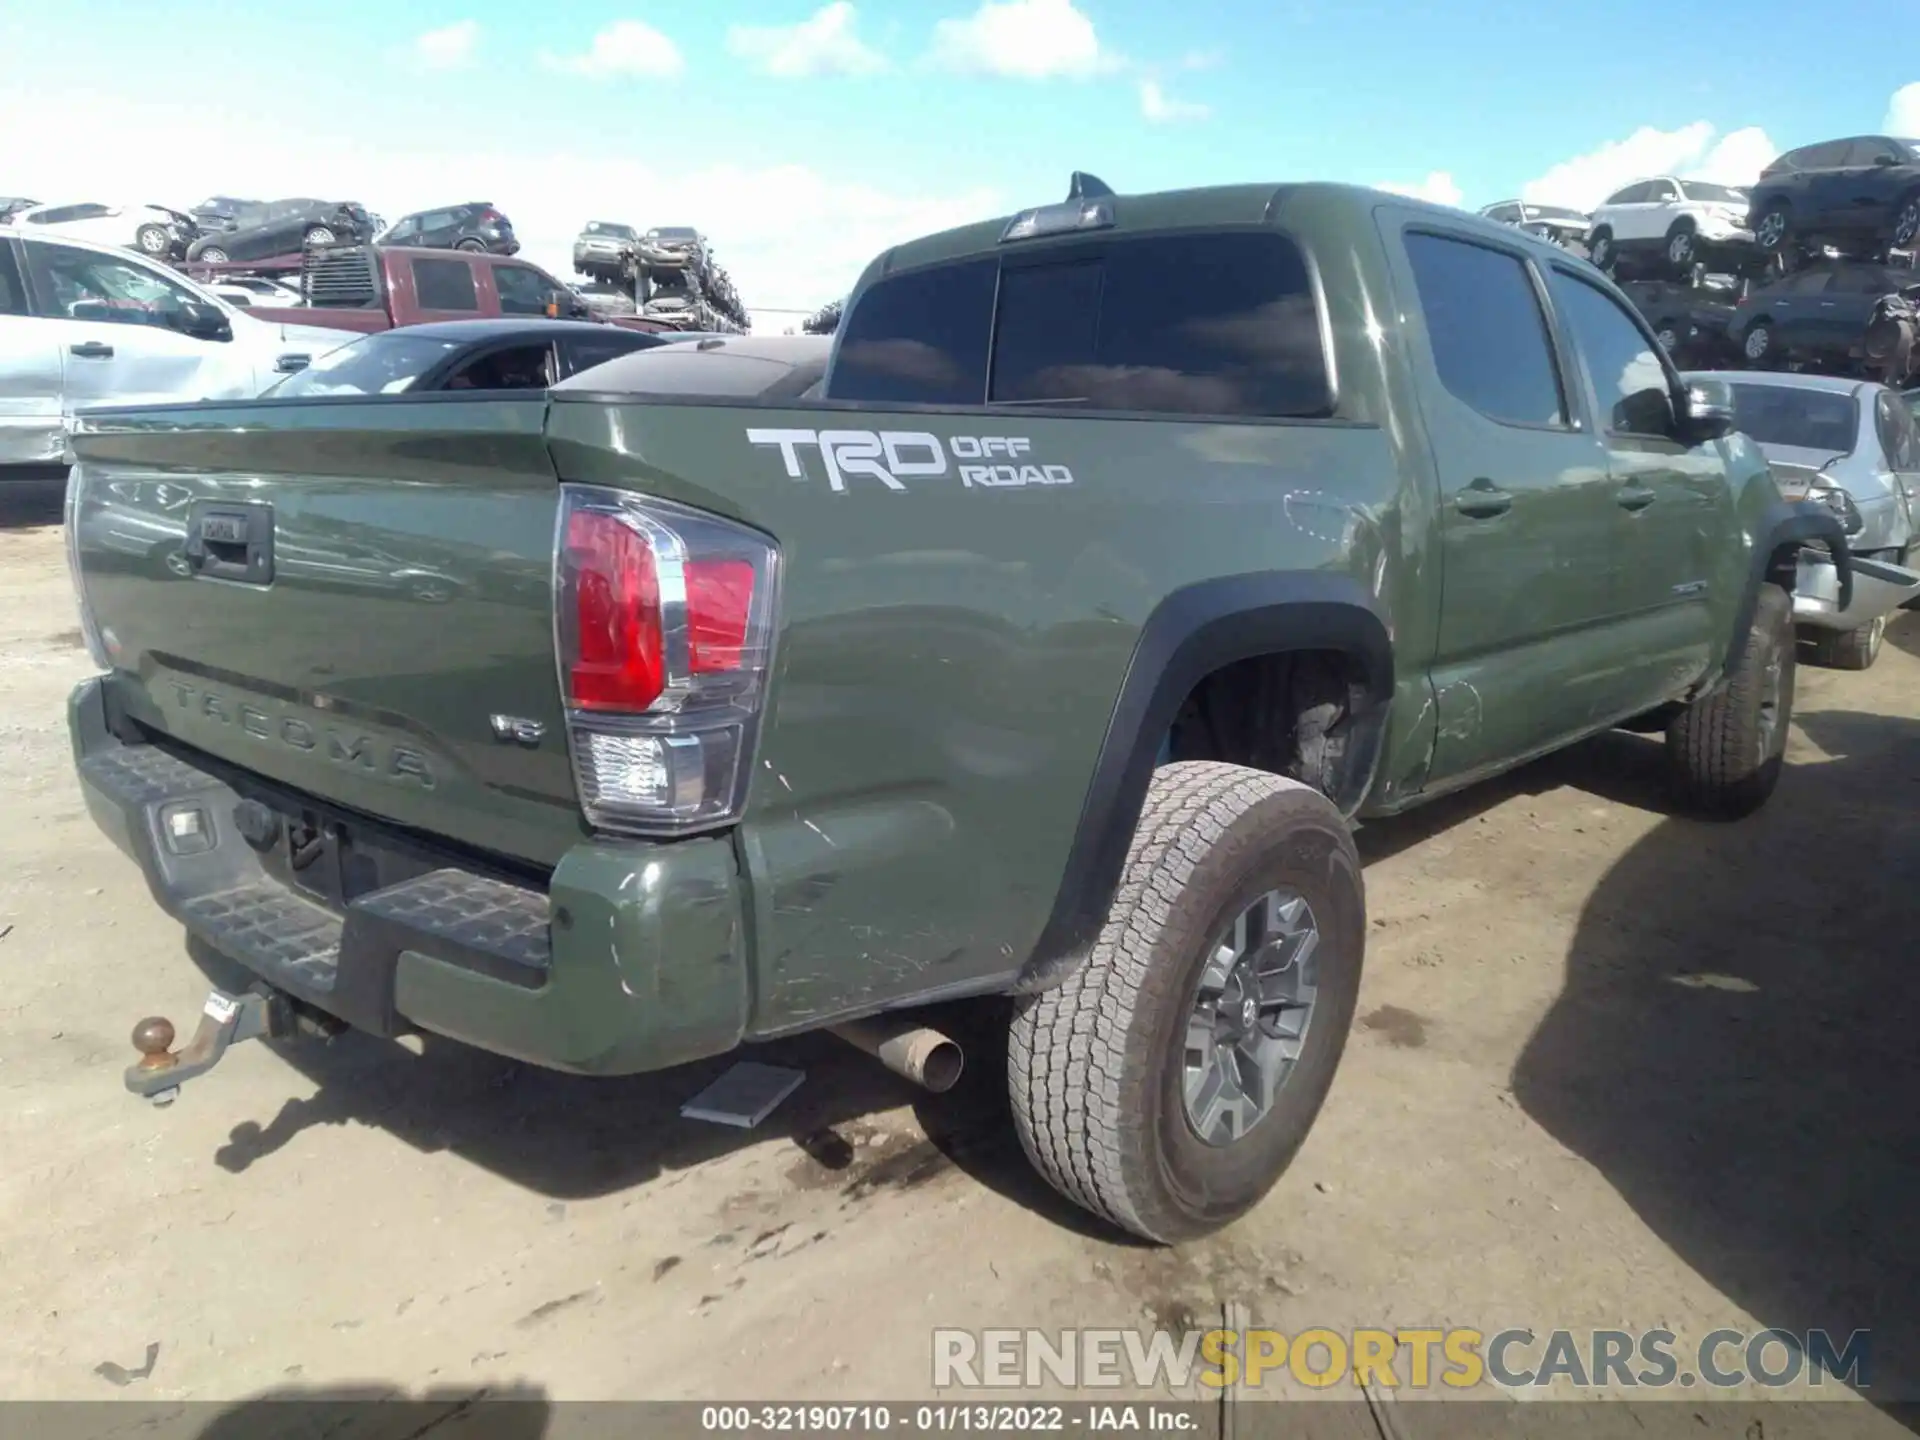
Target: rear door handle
92	350
1634	497
1482	500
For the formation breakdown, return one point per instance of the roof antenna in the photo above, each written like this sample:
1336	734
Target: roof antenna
1087	187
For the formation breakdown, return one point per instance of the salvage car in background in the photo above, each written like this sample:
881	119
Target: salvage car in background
12	205
1689	321
284	227
474	226
1851	445
1564	227
218	212
1834	314
1671	224
147	228
604	250
86	324
1861	194
501	354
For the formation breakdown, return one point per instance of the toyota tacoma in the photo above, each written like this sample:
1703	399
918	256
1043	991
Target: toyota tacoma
1050	644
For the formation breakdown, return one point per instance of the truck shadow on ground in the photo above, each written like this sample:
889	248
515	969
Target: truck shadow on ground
571	1138
1735	1046
27	504
374	1411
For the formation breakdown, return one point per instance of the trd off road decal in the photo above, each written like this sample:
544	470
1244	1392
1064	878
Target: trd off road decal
895	456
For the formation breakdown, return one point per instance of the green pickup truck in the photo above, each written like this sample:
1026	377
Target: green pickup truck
1043	633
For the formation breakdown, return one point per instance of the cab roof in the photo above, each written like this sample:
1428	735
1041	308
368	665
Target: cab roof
1200	208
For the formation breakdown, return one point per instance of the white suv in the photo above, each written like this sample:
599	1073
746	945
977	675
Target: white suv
84	324
1674	223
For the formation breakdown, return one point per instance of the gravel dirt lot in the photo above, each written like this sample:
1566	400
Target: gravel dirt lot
1614	1069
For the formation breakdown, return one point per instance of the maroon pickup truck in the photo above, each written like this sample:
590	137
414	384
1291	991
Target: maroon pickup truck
379	287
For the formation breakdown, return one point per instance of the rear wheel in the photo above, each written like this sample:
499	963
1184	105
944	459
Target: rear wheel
470	244
320	235
1758	348
1906	222
1681	248
1600	248
1168	1082
1774	228
153	240
1726	750
1849	649
213	255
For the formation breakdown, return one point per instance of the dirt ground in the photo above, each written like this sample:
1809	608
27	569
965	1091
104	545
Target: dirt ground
1614	1069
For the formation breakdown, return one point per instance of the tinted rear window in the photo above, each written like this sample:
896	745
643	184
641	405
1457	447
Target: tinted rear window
1805	419
444	285
919	338
1215	324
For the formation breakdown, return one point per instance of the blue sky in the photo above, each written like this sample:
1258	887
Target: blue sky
804	136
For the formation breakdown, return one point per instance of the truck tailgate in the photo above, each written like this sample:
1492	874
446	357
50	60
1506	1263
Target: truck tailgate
341	597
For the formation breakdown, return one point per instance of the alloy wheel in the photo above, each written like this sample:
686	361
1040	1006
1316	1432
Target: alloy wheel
1249	1017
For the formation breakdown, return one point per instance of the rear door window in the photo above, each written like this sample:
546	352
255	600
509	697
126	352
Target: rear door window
1489	336
444	285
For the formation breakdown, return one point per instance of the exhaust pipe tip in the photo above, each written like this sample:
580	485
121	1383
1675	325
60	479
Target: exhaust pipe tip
941	1066
918	1053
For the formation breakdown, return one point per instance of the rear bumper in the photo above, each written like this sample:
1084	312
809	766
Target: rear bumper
632	959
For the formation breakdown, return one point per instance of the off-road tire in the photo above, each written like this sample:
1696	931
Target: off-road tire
1849	649
1095	1064
1723	760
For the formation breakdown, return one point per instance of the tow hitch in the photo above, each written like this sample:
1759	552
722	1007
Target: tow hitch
225	1021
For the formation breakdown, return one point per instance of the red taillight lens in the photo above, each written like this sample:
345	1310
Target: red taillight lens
665	629
719	602
619	659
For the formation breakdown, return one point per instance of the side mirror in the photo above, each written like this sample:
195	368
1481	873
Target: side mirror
1707	412
1884	159
204	322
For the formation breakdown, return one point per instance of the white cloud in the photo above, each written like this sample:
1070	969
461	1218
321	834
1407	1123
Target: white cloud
1023	40
1903	111
1202	59
448	48
793	236
822	44
1694	152
1161	108
626	48
1440	187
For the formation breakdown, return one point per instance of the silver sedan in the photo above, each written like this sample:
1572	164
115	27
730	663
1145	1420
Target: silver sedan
1853	445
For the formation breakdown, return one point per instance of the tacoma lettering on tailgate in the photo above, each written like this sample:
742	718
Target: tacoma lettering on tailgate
354	751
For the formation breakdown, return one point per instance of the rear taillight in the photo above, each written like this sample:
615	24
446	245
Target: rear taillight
664	620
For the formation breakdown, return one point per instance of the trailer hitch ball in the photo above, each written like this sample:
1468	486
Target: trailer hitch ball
153	1038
